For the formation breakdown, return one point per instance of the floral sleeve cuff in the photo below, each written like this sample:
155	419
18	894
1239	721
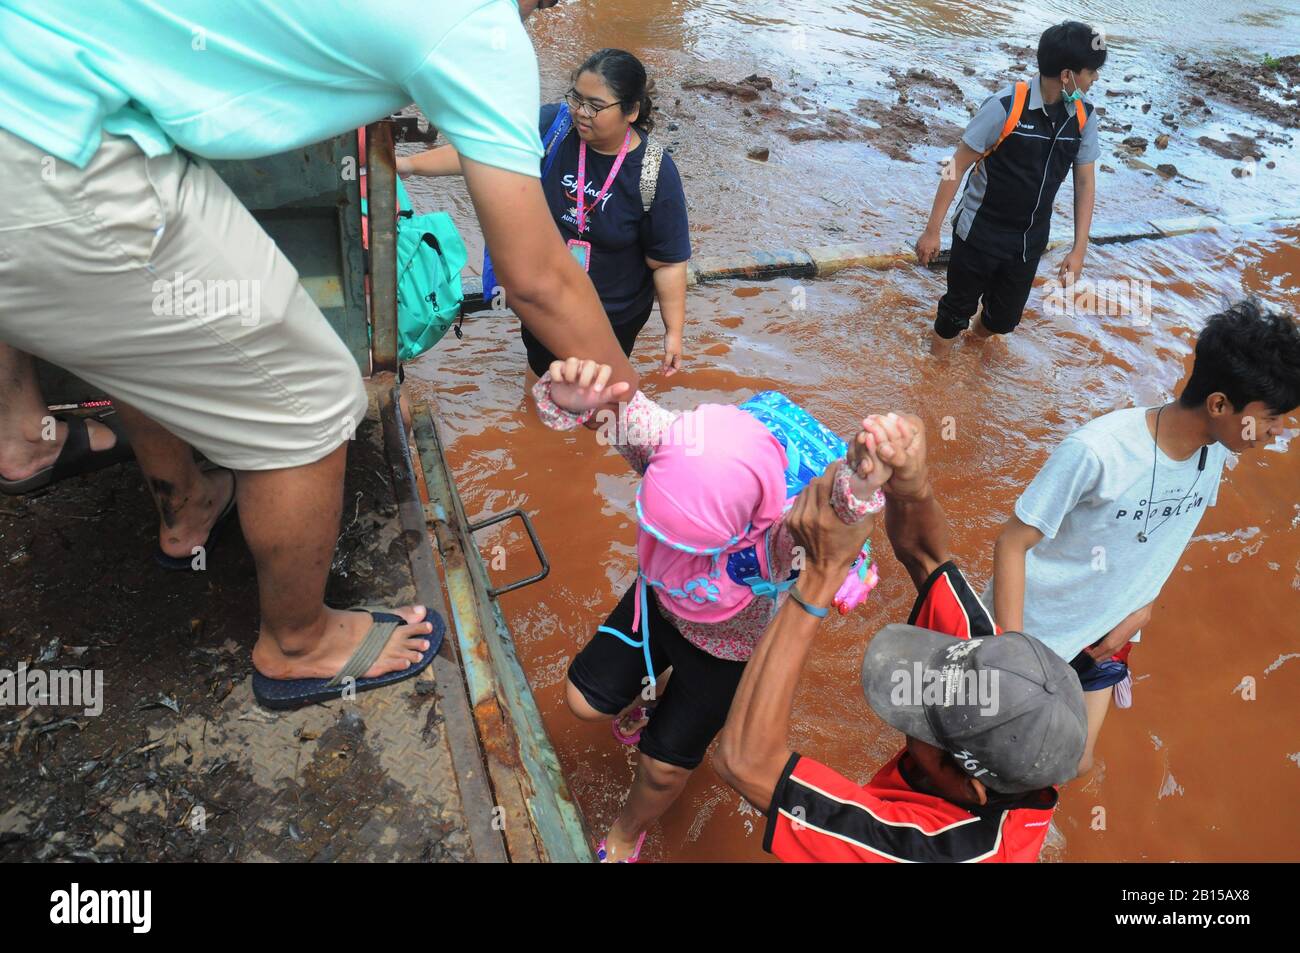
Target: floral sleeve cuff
552	414
849	508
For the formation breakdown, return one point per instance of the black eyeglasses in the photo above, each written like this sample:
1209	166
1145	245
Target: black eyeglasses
584	106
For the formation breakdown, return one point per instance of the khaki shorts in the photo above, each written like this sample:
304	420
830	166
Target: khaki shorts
149	279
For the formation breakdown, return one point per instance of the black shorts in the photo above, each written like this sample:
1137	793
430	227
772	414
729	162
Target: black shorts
540	359
1003	283
694	705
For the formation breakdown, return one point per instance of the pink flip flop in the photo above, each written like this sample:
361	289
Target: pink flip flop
602	854
632	739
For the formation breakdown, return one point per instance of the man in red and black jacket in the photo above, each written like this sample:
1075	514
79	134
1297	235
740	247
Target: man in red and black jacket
992	723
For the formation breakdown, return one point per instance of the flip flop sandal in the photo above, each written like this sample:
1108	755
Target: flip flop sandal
76	457
624	738
602	852
186	563
287	693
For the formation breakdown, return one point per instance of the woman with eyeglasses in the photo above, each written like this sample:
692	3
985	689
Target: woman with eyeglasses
615	196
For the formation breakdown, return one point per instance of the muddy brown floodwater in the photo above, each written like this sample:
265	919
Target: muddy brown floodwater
1195	770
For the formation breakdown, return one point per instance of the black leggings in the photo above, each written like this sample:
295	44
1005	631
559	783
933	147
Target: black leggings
540	359
693	708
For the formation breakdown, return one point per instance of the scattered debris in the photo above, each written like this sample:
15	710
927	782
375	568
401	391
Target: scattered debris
1268	89
758	153
747	89
1237	147
162	701
56	725
923	77
221	688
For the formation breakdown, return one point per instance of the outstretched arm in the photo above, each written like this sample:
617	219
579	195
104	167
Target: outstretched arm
574	393
544	285
754	745
444	160
914	521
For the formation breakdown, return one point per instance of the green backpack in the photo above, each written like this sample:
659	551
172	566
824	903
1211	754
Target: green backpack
430	256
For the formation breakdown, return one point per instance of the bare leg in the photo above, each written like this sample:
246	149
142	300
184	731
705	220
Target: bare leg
1096	704
978	328
656	787
290	519
28	441
188	500
940	345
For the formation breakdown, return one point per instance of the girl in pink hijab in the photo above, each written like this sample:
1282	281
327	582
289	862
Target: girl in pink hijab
714	557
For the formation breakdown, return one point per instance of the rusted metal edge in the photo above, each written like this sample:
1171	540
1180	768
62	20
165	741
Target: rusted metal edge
381	197
462	737
499	690
497	737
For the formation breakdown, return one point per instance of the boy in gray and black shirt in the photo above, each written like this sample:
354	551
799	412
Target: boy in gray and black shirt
1022	142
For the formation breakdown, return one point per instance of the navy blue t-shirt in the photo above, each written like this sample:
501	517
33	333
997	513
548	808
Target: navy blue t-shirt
621	233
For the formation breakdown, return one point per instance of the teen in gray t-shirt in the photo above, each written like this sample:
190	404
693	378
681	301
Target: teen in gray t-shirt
1090	502
1104	523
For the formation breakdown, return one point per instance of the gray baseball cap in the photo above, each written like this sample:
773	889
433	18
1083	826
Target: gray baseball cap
1006	707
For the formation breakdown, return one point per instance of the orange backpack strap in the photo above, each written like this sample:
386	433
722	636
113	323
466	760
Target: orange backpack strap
1081	113
1018	100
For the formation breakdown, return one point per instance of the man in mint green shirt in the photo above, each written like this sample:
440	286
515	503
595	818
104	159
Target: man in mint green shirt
103	105
240	79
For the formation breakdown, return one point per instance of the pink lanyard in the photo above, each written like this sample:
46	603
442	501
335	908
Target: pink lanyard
582	178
